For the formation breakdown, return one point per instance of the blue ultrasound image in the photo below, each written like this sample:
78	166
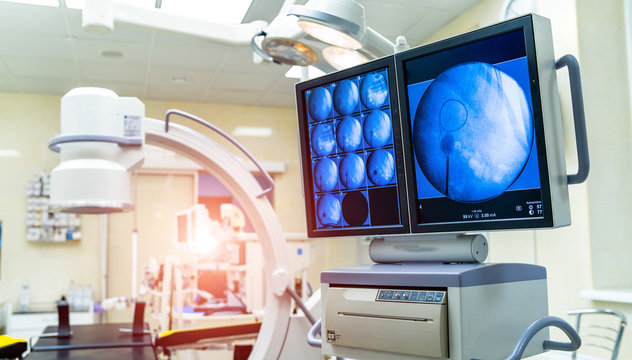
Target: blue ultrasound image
352	153
329	210
380	167
346	97
326	174
323	139
352	171
374	90
473	132
319	104
377	128
349	134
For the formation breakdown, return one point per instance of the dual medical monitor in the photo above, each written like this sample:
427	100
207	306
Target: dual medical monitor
459	135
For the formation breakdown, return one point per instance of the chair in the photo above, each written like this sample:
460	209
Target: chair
601	331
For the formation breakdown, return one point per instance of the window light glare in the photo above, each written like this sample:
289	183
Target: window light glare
252	131
329	35
9	153
341	58
52	3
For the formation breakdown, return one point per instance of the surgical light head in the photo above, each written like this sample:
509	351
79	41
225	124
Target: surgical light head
100	143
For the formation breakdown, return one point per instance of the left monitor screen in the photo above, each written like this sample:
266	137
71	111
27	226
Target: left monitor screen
351	149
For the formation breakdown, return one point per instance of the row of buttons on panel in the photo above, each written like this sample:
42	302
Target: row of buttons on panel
435	297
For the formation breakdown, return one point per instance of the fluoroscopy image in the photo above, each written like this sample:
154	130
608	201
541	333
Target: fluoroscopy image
377	128
346	97
319	104
349	134
322	139
373	90
472	132
380	167
329	210
352	171
326	174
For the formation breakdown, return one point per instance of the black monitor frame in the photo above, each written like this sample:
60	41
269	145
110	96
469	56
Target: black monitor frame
546	118
525	24
304	135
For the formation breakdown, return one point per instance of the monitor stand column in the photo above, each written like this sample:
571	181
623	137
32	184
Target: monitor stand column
461	248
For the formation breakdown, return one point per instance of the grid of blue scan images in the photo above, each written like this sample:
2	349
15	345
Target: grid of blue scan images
352	153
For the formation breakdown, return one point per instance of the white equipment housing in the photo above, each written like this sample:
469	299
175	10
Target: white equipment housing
431	310
93	174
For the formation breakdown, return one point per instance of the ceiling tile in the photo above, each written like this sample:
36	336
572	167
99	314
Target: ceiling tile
35	46
391	19
113	70
455	6
41	67
161	75
243	81
284	84
202	55
133	52
160	85
31	19
423	29
239	59
233	97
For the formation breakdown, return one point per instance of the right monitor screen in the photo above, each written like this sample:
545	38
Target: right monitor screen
473	141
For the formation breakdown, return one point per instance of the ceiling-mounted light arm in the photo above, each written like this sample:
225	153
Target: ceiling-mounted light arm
377	45
99	18
259	51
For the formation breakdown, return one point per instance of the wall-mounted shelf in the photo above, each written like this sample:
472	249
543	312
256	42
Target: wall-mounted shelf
43	225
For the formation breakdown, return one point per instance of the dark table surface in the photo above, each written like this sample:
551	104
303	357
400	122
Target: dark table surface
97	342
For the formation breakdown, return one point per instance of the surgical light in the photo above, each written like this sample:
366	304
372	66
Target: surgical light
341	58
336	22
289	51
329	35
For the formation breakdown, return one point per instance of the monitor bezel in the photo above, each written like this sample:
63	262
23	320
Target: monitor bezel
387	63
524	23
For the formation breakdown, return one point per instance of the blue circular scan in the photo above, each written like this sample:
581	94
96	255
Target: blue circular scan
346	97
377	128
322	139
473	132
329	210
349	134
326	174
319	104
380	167
373	90
352	171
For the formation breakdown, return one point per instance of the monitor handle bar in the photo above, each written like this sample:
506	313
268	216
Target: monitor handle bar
583	159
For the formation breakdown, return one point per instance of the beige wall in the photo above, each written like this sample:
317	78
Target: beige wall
28	121
26	124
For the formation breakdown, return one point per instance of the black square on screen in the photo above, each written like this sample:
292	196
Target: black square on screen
384	206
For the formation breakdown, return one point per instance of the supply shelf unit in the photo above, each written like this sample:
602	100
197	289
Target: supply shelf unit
42	225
